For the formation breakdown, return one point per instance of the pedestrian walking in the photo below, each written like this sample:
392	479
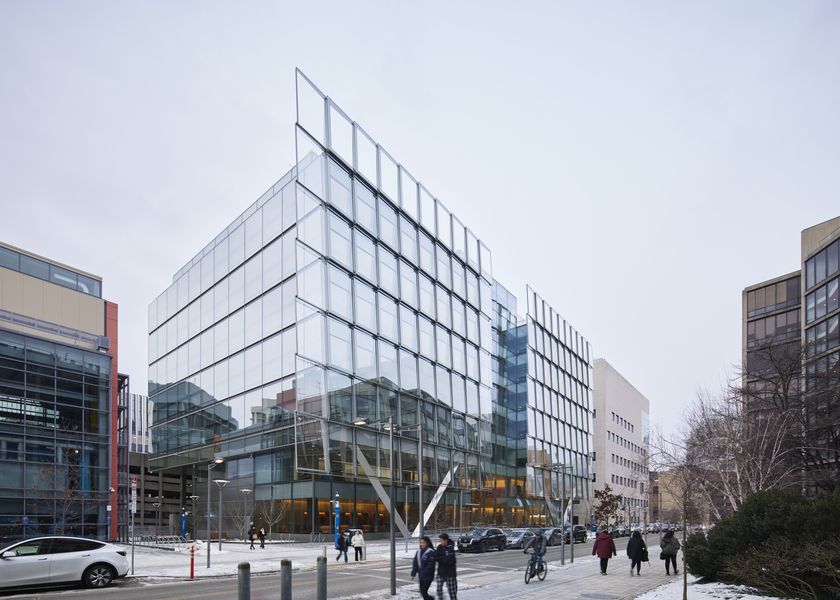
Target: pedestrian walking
342	546
637	552
670	546
447	572
424	567
358	542
252	535
261	535
605	549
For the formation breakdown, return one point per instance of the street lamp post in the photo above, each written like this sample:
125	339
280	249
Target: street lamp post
389	424
157	515
245	520
221	483
215	462
193	498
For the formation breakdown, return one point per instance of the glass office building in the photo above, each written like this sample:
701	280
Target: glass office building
348	292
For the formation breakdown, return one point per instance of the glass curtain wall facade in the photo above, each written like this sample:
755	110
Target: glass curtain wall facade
348	292
54	438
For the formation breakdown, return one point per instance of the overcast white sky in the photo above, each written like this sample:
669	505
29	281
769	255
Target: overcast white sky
637	163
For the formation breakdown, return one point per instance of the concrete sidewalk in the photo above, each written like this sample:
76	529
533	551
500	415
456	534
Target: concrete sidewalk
582	579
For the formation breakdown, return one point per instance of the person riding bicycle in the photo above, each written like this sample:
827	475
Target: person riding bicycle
539	543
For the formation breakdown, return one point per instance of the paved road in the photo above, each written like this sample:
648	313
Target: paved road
342	580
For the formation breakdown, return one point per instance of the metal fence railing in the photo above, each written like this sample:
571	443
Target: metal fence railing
169	542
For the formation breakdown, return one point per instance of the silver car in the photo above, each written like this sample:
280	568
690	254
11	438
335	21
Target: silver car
518	538
60	559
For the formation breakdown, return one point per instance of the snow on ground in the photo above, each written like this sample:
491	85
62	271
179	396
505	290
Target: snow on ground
405	592
703	591
157	563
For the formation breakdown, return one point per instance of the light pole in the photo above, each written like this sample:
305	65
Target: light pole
157	515
221	483
245	521
215	462
193	498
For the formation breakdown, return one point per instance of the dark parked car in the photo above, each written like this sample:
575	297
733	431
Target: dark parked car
480	540
553	535
518	538
580	534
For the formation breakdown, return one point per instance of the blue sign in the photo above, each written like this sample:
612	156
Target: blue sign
337	520
593	522
183	524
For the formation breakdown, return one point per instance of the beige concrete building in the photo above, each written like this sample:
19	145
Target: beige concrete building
620	432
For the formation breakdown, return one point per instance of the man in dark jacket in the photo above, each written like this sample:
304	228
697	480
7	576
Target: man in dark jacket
605	549
424	565
445	557
637	551
342	547
539	543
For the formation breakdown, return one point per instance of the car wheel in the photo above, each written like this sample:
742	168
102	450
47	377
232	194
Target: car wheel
98	576
482	547
550	542
502	546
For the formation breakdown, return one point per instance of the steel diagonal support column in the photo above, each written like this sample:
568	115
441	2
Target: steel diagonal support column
438	495
383	495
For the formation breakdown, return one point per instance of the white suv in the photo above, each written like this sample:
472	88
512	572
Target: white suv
51	560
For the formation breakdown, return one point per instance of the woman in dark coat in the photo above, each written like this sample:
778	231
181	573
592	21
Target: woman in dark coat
637	551
424	566
670	546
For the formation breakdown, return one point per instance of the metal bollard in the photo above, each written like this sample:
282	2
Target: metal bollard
244	589
322	578
285	579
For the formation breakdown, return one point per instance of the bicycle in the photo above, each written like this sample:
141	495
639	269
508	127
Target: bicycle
531	569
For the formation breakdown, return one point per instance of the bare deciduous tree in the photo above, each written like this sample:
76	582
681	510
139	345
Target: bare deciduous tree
272	512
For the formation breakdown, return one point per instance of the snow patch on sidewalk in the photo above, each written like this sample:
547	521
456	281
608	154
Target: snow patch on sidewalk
702	591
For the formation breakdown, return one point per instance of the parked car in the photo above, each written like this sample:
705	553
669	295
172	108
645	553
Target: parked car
580	534
480	540
553	535
60	559
518	538
622	531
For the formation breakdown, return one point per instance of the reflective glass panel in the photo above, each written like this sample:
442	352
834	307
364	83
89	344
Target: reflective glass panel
408	243
339	345
310	333
427	338
443	346
444	314
408	284
272	319
253	277
427	378
388	370
366	257
365	207
427	296
310	108
472	325
408	371
340	189
388	224
365	355
340	243
444	271
341	295
253	234
408	328
459	361
458	317
444	389
388	276
459	396
365	306
472	250
388	325
272	265
272	218
459	281
427	254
